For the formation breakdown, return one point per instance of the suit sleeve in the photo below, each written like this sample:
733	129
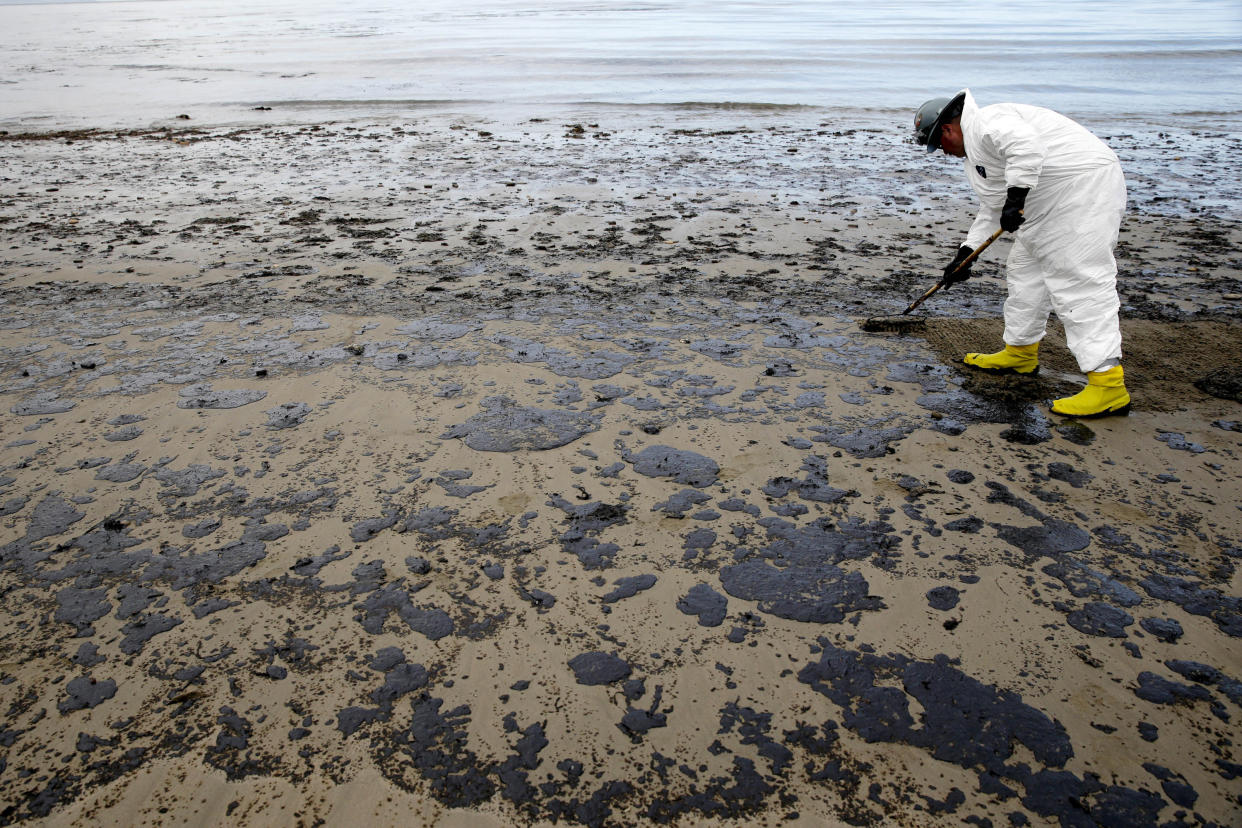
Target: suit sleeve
1023	151
985	224
988	218
1022	148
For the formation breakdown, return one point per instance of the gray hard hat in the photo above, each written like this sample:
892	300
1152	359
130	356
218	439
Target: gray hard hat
934	114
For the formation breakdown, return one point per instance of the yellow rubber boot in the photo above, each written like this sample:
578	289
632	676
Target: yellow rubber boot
1105	394
1014	359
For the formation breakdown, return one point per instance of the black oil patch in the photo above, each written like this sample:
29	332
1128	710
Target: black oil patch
814	487
1084	581
364	530
1225	383
1076	432
967	525
185	482
1051	539
685	467
85	692
396	599
1160	690
1224	610
120	472
820	595
708	604
678	504
287	415
400	680
754	728
141	630
51	516
599	668
972	725
1206	674
184	569
988	398
862	442
1167	630
505	426
1067	473
637	721
629	587
42	403
796	575
212	399
963	721
81	607
585	522
432	748
943	598
201	529
1178	442
1097	618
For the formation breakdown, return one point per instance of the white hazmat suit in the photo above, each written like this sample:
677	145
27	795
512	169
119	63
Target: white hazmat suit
1062	255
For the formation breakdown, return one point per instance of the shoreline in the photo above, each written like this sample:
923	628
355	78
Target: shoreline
286	114
537	470
1167	160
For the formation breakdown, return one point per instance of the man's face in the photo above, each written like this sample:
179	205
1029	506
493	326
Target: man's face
951	139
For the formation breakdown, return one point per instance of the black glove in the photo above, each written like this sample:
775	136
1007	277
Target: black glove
951	278
1011	214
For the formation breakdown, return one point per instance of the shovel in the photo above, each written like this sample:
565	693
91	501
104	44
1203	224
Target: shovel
903	321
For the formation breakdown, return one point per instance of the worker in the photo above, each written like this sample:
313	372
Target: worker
1059	189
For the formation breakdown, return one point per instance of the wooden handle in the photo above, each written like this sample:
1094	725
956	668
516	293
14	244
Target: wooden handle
964	263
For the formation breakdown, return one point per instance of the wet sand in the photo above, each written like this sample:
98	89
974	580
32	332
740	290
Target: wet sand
467	471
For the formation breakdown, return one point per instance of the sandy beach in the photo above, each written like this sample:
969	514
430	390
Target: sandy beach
534	470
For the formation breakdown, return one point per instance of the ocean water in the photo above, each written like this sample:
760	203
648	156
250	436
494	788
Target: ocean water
138	63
